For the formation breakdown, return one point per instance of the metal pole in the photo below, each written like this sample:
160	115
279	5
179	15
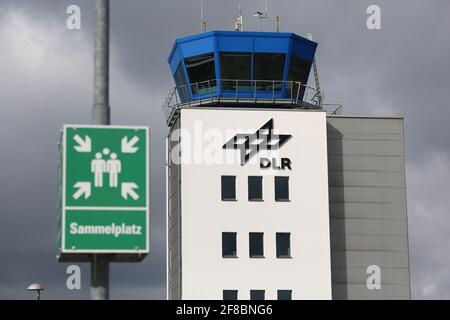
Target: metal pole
100	277
101	110
101	116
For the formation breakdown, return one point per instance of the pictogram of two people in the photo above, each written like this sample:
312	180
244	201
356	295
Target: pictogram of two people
111	166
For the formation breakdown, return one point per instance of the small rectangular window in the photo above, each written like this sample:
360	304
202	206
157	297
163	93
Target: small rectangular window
230	294
257	294
284	294
268	70
298	73
298	70
201	72
283	245
268	66
256	242
180	81
229	245
281	188
236	70
255	188
228	188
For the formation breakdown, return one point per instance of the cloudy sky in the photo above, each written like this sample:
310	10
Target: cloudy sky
46	75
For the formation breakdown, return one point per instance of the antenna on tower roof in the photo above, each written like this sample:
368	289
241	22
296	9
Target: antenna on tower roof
202	21
239	25
265	15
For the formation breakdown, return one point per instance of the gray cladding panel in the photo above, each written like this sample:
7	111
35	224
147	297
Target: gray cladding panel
363	242
363	259
368	227
361	147
363	163
173	225
365	193
379	178
348	210
360	292
367	207
358	275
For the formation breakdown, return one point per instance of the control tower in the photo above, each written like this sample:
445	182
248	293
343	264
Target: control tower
251	69
269	196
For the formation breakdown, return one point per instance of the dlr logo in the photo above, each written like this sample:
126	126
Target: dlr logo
275	164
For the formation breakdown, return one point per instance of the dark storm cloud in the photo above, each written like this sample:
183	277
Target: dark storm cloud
37	97
401	69
394	70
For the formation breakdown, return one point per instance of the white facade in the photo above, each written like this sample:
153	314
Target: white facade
197	216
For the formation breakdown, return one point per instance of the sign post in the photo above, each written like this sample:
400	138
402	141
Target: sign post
103	212
104	196
101	114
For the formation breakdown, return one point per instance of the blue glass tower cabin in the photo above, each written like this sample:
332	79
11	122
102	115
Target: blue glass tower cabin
255	68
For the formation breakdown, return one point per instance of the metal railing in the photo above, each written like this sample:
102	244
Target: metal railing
241	91
333	109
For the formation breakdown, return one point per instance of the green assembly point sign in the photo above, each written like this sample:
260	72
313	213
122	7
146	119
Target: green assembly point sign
105	189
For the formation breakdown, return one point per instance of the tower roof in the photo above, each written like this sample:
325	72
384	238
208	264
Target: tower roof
248	68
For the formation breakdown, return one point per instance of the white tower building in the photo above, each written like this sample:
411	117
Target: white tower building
254	210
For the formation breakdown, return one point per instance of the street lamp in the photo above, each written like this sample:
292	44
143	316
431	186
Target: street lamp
37	288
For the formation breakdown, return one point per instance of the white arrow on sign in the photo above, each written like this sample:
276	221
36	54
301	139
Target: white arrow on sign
83	145
127	190
84	188
128	146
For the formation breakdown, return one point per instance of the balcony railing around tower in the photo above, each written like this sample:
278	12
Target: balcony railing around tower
231	91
